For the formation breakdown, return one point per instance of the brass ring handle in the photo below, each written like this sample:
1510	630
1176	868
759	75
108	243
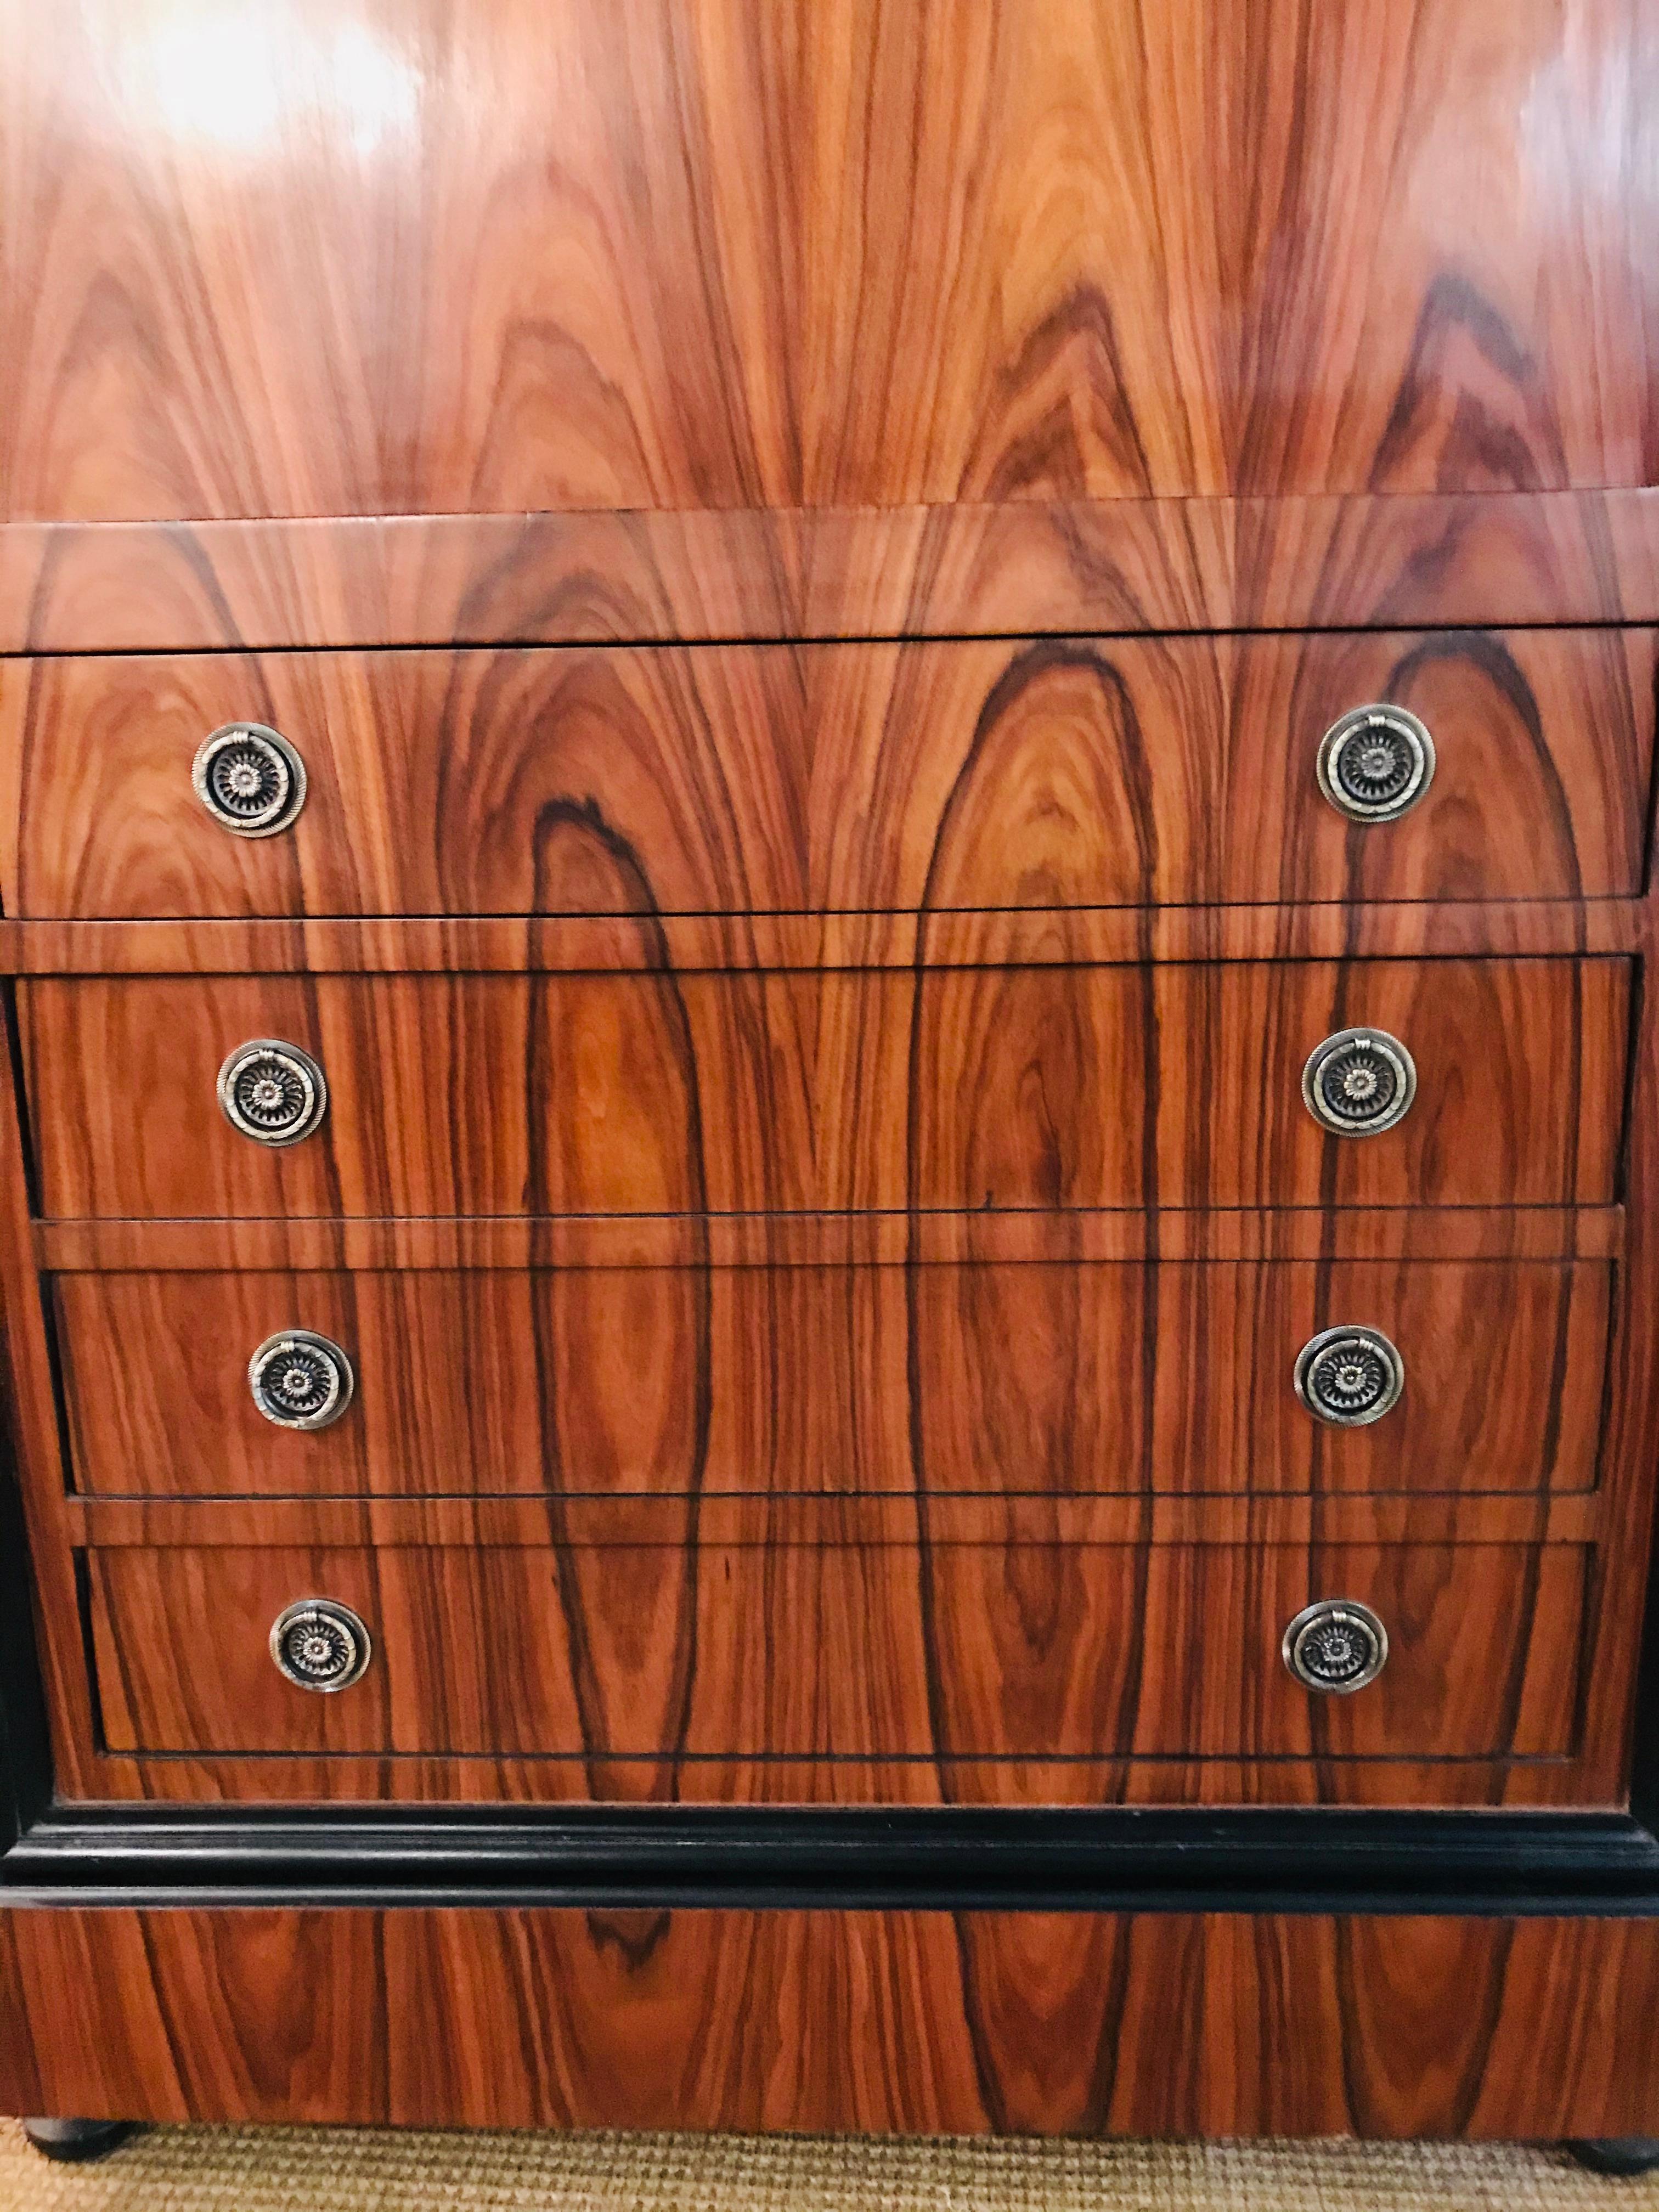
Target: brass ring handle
250	779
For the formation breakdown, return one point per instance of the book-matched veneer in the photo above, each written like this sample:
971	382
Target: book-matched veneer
659	1093
632	1655
1037	773
581	260
1052	1377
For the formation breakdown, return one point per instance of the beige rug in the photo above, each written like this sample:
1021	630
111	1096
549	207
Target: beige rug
346	2170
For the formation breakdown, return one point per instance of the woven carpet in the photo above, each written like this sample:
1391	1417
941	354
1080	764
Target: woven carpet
351	2170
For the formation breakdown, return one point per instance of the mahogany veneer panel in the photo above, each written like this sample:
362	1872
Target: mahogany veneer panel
639	1660
783	1240
752	257
922	2022
1182	1085
670	1094
946	571
1179	1378
789	1519
581	1095
270	1781
1096	773
996	937
985	1379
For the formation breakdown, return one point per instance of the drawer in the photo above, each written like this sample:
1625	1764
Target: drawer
661	1093
1080	772
1177	1377
661	1654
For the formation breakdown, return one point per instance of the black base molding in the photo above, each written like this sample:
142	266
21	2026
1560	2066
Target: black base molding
950	1858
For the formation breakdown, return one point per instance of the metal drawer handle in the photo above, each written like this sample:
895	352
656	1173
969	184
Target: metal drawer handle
1359	1082
301	1380
1349	1376
319	1645
1376	764
272	1092
250	779
1336	1646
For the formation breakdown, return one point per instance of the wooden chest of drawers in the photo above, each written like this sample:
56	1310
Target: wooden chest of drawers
830	1111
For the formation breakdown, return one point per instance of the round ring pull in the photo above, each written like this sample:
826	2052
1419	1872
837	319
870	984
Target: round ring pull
1349	1377
319	1645
1376	764
272	1092
301	1380
250	779
1359	1082
1336	1646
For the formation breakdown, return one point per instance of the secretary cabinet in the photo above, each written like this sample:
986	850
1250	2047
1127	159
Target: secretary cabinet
830	1145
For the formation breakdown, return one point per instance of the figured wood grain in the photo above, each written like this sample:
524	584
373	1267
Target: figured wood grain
1018	937
637	1660
787	1519
1022	1083
930	2023
744	264
818	1240
1088	773
987	1379
271	1782
1035	1088
746	258
1060	566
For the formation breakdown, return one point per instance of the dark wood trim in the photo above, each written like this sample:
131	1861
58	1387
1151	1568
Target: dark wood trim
933	1858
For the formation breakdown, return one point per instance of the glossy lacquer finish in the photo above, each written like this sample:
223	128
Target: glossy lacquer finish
634	1656
919	2021
1076	773
666	1094
355	260
1063	567
807	554
985	1379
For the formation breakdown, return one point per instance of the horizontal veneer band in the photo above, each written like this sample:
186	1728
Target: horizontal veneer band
1081	1237
615	1524
700	944
1303	561
272	1780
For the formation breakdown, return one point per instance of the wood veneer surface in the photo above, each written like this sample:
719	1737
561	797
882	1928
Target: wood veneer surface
638	1659
987	1379
816	944
666	1094
924	2022
836	257
780	1241
1060	773
1059	566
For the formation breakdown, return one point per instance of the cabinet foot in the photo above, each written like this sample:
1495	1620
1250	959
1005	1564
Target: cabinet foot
1627	2154
74	2143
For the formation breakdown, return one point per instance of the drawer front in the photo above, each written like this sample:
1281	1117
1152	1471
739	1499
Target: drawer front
983	1378
657	1654
668	1094
1083	772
